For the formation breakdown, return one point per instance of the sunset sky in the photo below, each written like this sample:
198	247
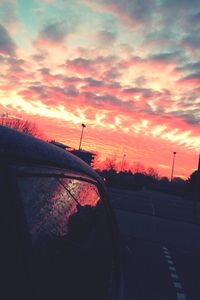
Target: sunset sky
128	69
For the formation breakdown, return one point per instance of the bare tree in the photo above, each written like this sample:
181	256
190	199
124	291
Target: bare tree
110	164
138	168
21	125
152	173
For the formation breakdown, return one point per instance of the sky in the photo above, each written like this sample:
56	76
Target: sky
128	69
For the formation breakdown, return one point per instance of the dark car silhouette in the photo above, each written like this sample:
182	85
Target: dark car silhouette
59	238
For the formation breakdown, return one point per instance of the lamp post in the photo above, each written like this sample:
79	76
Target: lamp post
123	161
83	126
174	153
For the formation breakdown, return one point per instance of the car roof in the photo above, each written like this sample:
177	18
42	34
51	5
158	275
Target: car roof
17	146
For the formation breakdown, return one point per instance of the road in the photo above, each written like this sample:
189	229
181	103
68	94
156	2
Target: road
162	246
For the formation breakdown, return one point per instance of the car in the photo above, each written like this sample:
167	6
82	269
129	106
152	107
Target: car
59	235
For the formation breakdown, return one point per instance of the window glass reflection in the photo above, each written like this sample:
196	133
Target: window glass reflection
49	202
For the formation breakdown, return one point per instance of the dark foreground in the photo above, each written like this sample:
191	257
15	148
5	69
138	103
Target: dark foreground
162	246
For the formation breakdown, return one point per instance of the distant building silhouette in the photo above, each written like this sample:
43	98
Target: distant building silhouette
61	145
87	156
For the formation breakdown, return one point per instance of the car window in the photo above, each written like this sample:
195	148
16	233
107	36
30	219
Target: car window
49	202
71	241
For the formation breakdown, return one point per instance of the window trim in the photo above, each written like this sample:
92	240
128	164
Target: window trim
55	175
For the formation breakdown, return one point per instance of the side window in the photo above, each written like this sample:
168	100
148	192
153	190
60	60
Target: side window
71	241
50	201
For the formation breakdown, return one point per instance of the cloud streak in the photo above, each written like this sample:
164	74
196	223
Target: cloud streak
7	45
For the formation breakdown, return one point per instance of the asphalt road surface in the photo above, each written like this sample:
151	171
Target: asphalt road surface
161	239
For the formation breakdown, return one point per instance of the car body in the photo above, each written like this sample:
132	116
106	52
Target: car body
59	236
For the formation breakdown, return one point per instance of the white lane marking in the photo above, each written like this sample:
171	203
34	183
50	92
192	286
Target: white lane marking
173	275
172	268
181	296
153	209
177	285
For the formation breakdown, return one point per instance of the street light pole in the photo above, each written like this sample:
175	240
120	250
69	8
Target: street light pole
83	126
172	174
123	161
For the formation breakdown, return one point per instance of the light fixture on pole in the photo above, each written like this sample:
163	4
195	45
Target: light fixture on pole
83	126
172	174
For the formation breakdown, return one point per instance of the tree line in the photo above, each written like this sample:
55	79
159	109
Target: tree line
21	125
139	178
